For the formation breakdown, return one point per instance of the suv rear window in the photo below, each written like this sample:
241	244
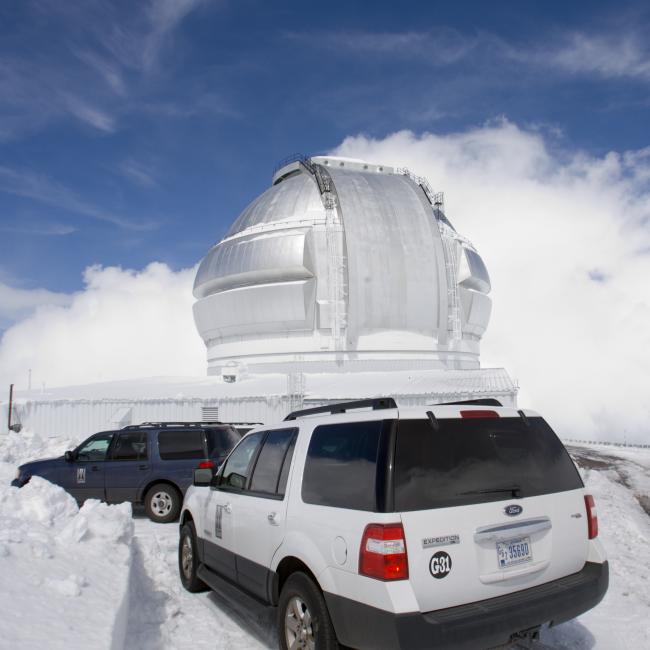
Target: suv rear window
181	445
222	440
341	464
478	460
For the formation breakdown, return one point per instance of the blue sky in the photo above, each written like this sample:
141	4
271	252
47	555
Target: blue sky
133	132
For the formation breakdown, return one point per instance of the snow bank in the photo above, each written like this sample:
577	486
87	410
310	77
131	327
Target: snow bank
620	621
65	571
18	448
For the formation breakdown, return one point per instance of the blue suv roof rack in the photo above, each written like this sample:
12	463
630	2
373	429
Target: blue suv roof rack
191	425
164	425
376	403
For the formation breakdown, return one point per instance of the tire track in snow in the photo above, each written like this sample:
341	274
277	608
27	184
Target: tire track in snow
164	615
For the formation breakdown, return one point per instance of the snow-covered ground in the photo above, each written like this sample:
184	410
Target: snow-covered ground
98	577
164	615
65	571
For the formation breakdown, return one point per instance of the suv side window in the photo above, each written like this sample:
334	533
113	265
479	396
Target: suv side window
237	468
130	446
181	445
269	475
95	449
341	464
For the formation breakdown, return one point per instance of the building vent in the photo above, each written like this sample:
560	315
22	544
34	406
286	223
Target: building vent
210	414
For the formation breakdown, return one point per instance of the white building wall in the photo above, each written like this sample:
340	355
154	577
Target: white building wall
78	418
264	399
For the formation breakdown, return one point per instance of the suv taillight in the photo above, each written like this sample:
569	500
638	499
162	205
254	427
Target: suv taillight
592	517
383	552
206	464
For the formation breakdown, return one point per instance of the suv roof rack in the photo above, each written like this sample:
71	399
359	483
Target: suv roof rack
164	425
376	403
482	401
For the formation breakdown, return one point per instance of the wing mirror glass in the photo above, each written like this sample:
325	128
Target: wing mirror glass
69	456
202	477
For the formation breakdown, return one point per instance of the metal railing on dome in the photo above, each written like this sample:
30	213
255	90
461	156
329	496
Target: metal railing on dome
294	157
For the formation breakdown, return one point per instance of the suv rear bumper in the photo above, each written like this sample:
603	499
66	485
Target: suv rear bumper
482	624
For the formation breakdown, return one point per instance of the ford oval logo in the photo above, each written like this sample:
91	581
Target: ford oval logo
513	510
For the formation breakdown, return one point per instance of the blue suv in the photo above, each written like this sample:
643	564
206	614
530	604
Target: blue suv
150	464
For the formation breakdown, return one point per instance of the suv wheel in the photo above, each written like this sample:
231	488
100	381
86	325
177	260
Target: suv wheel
162	503
303	619
188	560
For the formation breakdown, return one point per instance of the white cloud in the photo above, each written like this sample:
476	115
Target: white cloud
566	239
622	55
40	229
138	173
116	49
95	117
444	46
124	324
37	187
16	303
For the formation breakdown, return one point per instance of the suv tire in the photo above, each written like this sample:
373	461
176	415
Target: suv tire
162	503
188	560
303	615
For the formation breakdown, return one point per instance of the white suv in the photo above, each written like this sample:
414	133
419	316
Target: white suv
452	526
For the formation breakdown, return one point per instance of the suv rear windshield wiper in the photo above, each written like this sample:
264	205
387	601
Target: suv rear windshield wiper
515	490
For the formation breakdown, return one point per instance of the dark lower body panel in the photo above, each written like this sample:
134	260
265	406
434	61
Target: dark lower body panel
483	624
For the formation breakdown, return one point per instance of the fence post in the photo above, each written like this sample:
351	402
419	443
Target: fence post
11	401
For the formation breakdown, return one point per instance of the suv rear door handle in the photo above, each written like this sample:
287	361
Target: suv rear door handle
271	517
143	467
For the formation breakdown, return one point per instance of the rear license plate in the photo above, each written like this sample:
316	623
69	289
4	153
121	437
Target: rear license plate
514	551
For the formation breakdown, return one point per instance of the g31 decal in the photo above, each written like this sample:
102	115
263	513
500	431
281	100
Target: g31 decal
440	565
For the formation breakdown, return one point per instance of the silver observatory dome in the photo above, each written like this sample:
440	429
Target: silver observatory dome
342	265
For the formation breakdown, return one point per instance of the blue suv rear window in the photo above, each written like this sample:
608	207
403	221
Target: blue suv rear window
181	445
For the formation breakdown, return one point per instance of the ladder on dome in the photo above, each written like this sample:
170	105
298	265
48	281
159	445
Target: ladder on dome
450	241
334	239
335	256
450	248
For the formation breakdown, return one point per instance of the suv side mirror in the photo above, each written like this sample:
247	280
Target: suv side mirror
69	456
202	477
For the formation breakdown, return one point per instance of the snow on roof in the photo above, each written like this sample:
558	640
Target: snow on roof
316	386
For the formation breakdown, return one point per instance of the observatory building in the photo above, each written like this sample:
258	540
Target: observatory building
342	265
343	280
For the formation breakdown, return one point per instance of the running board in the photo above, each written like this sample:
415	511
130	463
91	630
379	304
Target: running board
228	588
